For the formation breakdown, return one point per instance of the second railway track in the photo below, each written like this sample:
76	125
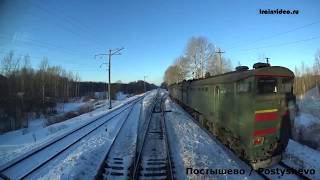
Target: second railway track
118	158
153	159
25	165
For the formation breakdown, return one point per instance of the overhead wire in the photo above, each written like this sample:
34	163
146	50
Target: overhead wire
41	44
41	58
78	23
278	34
69	21
284	44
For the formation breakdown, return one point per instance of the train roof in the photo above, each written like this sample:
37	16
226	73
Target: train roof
275	71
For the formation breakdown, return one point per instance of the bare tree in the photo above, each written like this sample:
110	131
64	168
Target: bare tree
307	77
9	64
182	67
316	65
199	51
172	75
43	66
219	65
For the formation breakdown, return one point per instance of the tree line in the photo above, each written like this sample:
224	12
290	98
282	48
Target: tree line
131	88
25	89
201	59
307	77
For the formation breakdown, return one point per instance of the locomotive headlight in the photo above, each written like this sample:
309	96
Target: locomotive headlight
258	140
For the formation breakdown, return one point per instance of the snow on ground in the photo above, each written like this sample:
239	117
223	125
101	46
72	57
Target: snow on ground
303	157
145	114
307	130
193	148
82	161
120	95
70	106
127	138
307	122
312	94
15	143
309	103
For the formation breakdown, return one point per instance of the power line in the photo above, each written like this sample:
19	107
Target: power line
283	44
41	44
80	24
66	19
279	34
40	58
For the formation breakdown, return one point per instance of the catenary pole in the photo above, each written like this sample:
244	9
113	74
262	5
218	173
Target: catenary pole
110	54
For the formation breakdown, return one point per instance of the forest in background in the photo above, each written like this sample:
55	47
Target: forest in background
307	76
25	90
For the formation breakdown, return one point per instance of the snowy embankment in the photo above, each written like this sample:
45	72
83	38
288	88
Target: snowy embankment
84	160
67	107
304	150
15	143
302	157
193	148
306	128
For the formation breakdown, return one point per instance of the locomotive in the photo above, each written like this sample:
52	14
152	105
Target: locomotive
247	110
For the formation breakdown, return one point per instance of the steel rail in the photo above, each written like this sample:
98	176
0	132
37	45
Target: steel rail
137	160
60	138
101	166
135	168
170	172
168	159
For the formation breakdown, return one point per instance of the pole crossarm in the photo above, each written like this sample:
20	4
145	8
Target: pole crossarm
96	55
116	51
110	54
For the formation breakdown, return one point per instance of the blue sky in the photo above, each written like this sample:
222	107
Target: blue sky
155	32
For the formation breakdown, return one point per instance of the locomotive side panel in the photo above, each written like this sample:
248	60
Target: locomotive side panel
247	111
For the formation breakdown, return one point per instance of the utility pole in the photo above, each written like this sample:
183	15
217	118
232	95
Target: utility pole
144	83
220	58
267	60
110	54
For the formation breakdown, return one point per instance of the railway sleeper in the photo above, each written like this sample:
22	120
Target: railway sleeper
114	167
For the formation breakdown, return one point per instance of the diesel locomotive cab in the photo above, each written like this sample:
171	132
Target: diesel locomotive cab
274	100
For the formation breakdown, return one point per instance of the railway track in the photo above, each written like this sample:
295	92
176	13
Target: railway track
27	164
300	175
116	161
153	158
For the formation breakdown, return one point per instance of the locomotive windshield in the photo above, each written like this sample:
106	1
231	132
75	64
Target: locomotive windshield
266	85
287	85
